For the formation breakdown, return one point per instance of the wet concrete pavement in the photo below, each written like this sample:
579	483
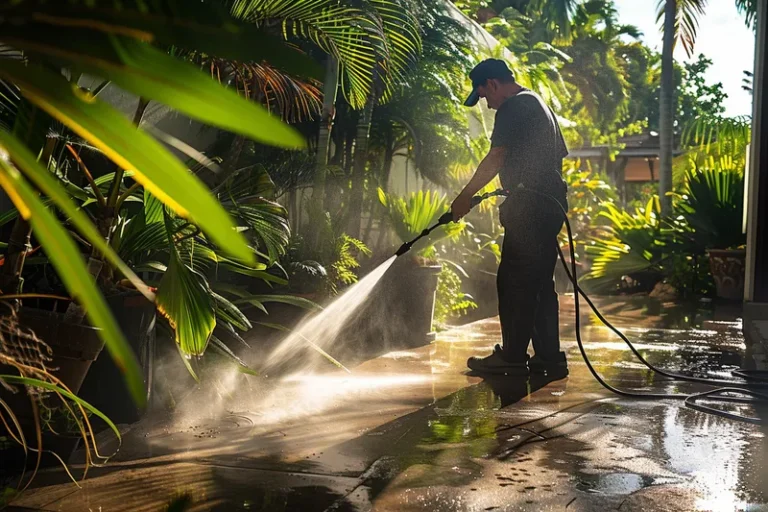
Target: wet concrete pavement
411	431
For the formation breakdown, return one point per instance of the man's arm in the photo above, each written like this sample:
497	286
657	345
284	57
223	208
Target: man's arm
486	171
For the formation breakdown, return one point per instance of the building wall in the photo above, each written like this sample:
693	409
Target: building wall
756	284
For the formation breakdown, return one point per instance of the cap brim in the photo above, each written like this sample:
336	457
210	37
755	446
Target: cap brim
472	99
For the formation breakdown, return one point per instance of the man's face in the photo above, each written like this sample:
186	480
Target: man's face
492	92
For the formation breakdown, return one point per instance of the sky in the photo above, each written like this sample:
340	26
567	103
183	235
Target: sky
723	37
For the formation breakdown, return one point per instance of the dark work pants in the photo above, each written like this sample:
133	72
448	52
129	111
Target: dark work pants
528	304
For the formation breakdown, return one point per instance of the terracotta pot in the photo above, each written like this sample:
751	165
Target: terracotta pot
727	267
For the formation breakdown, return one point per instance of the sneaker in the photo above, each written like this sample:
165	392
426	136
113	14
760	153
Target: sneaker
555	366
495	364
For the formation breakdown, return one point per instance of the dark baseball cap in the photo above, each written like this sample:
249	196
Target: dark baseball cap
486	70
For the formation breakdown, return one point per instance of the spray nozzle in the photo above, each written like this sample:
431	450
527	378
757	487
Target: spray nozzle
447	218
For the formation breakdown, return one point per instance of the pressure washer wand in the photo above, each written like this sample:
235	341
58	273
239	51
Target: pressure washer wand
447	217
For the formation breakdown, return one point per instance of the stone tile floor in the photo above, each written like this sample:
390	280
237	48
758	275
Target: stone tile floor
411	431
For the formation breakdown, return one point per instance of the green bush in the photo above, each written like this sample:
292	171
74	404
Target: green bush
450	301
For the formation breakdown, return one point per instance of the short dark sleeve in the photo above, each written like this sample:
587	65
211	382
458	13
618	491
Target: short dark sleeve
513	126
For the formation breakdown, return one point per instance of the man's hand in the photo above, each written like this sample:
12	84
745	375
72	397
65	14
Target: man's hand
461	206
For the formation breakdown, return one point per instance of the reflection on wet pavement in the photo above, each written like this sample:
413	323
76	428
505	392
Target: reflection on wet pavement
411	431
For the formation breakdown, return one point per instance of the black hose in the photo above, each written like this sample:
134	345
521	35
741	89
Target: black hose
690	400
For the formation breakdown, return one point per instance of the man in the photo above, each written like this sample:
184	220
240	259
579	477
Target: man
527	149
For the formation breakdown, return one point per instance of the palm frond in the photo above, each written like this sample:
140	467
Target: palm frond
403	41
748	9
686	21
717	132
350	34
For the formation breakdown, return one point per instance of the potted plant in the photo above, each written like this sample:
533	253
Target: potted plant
713	207
406	294
42	83
28	390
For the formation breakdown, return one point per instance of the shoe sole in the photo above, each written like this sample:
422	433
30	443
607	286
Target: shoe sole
502	371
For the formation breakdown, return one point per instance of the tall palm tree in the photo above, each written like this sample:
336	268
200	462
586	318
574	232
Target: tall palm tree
366	46
680	23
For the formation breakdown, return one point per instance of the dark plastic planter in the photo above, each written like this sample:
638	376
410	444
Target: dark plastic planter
104	386
399	312
75	347
76	362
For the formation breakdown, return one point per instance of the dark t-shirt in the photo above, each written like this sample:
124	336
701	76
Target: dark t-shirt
527	128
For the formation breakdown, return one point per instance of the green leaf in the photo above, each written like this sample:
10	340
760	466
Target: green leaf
227	311
184	298
69	264
253	302
139	239
29	165
192	25
221	347
152	74
153	209
186	360
28	381
155	167
285	299
277	327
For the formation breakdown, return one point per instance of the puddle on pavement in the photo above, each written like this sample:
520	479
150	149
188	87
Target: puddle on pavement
611	449
613	483
724	461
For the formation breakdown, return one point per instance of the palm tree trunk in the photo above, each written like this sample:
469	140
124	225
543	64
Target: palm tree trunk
317	201
326	123
358	173
666	106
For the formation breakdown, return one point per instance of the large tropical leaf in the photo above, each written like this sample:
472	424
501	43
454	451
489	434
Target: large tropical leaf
155	168
246	196
713	206
229	312
403	41
141	239
300	302
419	211
185	300
149	73
199	26
68	262
708	132
338	29
748	9
293	99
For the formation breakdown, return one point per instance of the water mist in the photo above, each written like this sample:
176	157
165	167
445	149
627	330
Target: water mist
319	331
